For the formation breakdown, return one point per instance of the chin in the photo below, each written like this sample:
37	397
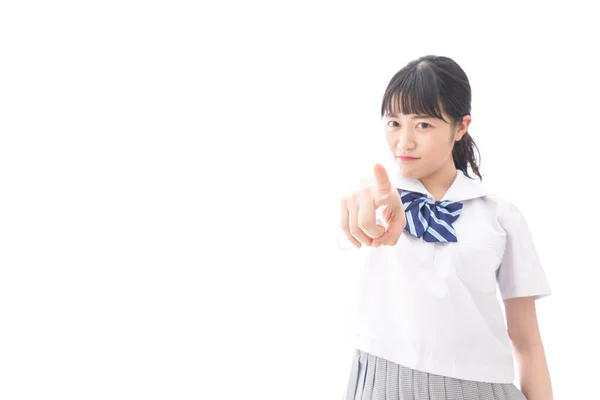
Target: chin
410	173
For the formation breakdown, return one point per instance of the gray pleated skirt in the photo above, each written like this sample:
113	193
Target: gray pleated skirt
375	378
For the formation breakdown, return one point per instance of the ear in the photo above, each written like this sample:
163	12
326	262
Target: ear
463	127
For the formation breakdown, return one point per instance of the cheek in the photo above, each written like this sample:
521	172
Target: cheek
391	141
436	146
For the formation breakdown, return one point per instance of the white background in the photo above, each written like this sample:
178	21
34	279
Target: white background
170	175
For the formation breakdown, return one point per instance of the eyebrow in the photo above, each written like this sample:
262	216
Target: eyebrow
413	117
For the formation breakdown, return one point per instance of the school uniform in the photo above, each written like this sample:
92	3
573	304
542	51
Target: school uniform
425	315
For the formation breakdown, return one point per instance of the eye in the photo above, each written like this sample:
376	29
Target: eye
389	123
425	123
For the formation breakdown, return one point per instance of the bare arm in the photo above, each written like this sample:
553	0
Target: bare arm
527	344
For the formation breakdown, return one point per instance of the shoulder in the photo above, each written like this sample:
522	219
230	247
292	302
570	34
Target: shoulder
505	210
498	201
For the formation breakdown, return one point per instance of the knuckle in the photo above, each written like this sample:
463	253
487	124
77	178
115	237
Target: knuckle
362	223
354	230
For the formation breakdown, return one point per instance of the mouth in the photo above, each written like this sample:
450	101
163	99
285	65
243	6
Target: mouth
405	158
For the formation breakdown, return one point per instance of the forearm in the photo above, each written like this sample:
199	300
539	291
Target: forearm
534	374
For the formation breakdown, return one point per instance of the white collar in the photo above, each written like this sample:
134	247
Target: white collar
463	187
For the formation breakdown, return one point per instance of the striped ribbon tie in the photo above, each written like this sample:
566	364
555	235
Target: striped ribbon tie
430	219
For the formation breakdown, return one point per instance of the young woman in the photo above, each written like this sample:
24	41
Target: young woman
426	320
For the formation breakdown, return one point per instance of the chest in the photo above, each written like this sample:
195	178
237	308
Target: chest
472	261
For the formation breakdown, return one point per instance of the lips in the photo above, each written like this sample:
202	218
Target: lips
406	158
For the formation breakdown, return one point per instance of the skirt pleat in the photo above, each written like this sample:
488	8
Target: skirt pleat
375	378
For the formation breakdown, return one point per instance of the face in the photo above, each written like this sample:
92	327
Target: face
428	139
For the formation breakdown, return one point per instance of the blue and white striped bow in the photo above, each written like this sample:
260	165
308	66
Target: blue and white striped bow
430	219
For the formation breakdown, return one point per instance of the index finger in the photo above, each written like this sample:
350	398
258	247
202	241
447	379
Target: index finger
384	186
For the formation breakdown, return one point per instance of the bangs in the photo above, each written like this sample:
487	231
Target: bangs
413	91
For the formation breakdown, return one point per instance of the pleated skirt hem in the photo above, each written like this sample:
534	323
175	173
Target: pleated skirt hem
375	378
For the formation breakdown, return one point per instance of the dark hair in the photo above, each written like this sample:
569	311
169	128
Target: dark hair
428	85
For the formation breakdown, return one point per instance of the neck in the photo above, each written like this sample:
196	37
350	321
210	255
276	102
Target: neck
440	181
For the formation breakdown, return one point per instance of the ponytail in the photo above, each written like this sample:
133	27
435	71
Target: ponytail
463	155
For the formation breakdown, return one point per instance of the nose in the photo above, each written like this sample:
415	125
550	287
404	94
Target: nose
405	140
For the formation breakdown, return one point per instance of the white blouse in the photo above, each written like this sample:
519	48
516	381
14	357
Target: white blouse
434	307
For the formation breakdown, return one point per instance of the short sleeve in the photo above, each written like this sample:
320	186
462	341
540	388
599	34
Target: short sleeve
520	273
